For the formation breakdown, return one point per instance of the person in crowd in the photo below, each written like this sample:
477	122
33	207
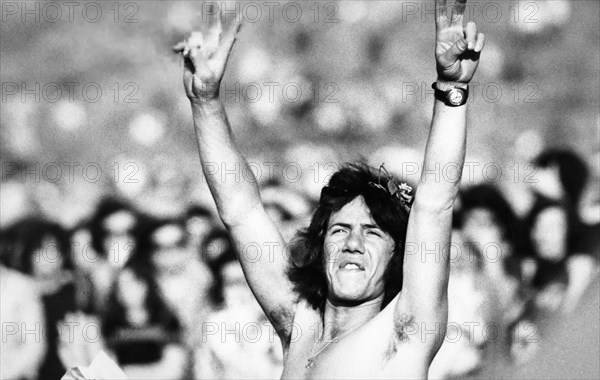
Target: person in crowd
80	339
140	330
348	266
113	228
238	342
45	256
551	226
183	279
22	348
562	176
557	238
494	234
492	230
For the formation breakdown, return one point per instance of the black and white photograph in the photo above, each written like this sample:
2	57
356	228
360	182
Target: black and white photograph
299	189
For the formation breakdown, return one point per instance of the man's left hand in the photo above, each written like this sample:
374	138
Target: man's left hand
458	47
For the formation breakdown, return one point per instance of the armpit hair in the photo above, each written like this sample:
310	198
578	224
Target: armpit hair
400	335
282	321
401	322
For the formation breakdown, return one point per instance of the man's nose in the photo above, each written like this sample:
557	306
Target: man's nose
354	242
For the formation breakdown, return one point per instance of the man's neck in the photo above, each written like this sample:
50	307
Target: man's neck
339	319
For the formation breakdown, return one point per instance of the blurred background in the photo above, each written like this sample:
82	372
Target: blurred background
106	220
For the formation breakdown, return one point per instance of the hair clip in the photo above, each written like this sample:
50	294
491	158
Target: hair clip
401	192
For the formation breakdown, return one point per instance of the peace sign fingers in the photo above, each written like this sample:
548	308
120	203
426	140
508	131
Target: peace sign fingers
457	47
205	55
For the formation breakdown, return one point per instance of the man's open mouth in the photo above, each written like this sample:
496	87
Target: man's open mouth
352	266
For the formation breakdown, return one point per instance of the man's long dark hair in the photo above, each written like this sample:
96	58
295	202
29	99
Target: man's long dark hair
307	270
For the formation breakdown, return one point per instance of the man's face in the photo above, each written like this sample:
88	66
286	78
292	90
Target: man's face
357	252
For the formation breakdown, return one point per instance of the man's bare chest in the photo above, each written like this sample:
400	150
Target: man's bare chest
342	361
366	353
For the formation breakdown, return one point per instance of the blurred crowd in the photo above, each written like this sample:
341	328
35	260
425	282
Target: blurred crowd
166	296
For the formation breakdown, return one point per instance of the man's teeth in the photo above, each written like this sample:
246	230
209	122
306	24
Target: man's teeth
351	266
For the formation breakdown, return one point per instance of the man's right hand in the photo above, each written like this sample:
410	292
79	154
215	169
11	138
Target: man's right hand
205	56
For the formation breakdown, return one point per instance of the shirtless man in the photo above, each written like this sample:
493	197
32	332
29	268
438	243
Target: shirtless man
366	329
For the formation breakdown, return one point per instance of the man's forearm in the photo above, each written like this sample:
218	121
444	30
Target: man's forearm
444	157
457	52
234	194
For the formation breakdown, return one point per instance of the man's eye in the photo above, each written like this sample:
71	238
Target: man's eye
374	233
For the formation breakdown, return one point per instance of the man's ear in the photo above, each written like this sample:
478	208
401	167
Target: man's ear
391	252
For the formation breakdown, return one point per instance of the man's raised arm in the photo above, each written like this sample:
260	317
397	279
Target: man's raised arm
238	201
426	267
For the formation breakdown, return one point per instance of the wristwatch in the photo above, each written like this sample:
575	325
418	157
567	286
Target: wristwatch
451	94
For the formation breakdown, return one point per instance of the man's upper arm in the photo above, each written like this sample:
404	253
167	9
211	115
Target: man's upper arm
262	253
423	299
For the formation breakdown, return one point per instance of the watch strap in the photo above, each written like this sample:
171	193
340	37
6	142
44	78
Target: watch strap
447	89
447	86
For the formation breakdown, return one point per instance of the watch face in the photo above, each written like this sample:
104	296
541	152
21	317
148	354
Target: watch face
455	96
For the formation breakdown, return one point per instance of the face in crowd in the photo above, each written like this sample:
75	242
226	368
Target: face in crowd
47	259
170	247
119	242
549	234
